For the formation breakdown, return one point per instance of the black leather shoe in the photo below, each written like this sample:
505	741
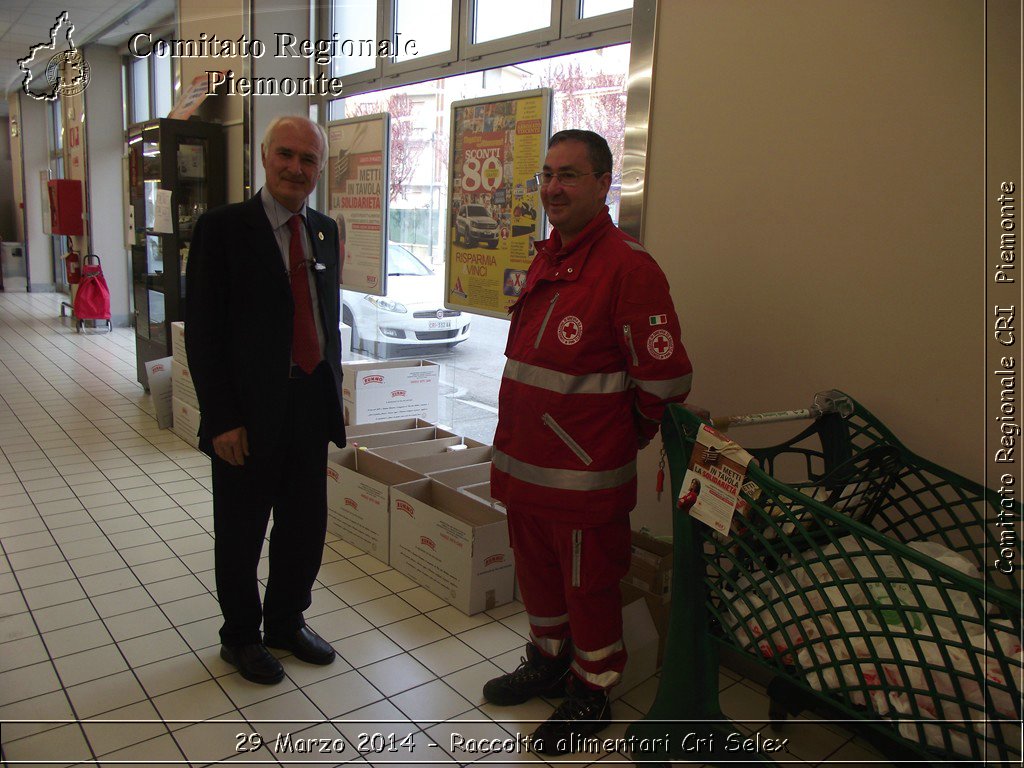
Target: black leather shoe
255	663
536	675
306	644
585	712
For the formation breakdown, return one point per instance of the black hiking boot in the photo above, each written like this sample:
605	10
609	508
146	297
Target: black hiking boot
536	675
585	711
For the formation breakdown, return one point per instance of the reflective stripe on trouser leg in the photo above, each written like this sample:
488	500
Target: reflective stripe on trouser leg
539	574
549	633
601	668
595	606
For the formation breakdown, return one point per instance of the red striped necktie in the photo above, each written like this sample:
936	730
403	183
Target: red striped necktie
305	344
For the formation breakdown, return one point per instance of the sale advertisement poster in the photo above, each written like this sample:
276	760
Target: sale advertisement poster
357	199
495	216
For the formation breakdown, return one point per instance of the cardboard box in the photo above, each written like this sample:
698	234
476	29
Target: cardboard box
401	437
181	384
650	567
376	391
449	459
359	498
178	342
482	491
640	636
394	425
460	477
186	422
433	447
454	546
659	611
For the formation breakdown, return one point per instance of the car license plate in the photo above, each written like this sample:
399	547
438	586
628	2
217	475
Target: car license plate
437	325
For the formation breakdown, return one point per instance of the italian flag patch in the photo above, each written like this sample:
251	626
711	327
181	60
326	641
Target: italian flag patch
658	319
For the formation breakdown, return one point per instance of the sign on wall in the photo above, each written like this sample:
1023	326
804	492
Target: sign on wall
494	210
357	199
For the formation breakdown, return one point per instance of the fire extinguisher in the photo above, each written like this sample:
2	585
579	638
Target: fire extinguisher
72	265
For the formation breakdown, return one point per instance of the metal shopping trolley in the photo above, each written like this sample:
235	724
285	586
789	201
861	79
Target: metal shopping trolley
869	588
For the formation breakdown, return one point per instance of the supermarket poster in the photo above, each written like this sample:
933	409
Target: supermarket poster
357	199
711	487
494	209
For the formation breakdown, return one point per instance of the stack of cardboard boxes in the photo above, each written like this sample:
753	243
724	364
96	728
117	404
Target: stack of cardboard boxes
396	492
184	402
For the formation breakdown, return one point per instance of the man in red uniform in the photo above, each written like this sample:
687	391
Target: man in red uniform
594	356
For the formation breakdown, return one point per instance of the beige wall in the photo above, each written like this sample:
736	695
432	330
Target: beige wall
815	197
226	19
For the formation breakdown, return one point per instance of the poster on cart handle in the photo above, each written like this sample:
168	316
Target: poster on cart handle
497	146
357	199
711	486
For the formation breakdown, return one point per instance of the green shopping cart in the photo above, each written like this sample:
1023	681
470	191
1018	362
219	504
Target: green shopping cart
868	588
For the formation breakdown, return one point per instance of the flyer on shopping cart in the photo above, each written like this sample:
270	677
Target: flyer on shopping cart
711	487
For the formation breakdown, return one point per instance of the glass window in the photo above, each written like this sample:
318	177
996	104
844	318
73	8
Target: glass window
402	262
429	24
355	24
163	86
589	92
140	90
591	8
499	18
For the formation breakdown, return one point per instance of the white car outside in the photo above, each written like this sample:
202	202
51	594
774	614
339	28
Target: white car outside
412	313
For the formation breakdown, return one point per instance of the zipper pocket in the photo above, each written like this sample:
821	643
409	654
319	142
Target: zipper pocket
628	333
567	439
543	325
577	556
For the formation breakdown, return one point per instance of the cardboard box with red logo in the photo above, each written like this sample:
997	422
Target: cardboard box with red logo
178	342
181	384
358	498
186	422
455	546
382	391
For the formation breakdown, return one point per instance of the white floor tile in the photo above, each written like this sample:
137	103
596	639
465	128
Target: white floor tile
446	656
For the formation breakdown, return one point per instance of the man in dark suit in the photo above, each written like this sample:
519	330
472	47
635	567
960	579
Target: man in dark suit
264	351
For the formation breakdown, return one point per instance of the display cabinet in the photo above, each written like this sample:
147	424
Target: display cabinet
176	171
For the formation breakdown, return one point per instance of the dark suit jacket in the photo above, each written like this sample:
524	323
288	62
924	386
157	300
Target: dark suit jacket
238	323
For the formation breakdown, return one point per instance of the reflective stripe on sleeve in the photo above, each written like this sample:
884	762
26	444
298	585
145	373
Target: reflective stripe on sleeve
564	479
566	383
664	389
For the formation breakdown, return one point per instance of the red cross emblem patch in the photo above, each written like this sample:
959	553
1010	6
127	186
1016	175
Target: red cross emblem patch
570	329
660	344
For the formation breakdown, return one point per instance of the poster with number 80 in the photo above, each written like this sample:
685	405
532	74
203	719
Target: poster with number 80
494	211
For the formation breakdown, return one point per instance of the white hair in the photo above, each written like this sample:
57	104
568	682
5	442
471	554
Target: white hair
269	133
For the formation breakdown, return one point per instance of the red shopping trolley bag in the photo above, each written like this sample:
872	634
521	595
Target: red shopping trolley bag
92	300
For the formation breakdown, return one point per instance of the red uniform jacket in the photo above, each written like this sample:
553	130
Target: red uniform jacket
594	355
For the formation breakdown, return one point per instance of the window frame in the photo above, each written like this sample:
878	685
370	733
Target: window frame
537	37
574	25
566	33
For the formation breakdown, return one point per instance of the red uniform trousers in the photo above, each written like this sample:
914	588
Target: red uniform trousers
569	580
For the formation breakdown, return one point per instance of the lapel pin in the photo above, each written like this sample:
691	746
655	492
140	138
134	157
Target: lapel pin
320	235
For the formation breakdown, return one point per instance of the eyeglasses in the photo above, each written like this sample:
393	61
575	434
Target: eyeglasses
565	178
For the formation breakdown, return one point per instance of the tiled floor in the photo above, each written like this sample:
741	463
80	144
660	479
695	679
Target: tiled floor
108	621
